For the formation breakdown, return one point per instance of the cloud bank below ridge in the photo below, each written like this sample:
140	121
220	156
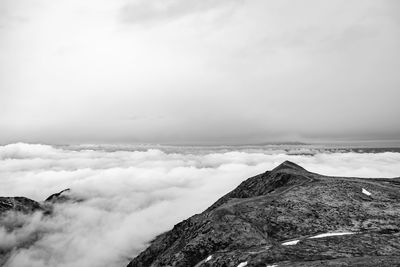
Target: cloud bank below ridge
130	196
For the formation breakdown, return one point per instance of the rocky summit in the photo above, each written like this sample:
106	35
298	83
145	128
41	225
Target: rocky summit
289	217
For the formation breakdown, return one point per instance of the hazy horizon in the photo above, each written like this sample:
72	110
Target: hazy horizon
321	143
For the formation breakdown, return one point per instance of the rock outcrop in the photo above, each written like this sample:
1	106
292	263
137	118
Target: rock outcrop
19	204
15	213
59	197
289	217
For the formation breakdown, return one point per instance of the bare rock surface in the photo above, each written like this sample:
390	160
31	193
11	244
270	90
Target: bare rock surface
60	197
16	213
277	218
19	204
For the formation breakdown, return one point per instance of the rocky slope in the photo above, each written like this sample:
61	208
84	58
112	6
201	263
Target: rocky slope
14	215
19	204
277	218
26	205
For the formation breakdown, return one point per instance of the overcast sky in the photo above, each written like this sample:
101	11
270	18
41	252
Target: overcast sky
198	71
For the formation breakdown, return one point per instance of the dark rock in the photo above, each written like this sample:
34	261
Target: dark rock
59	197
251	223
19	204
15	214
10	207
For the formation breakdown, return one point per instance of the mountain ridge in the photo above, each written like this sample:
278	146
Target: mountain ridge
252	224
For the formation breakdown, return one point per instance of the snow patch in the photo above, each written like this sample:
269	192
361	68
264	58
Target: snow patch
208	258
331	234
366	192
291	243
242	264
273	265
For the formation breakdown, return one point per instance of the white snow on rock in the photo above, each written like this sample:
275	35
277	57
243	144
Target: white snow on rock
242	264
273	265
291	243
208	258
366	192
331	234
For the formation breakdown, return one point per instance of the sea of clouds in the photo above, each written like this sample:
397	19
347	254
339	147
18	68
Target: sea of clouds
131	194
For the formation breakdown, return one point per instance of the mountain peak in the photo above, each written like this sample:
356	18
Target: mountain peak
59	197
288	217
288	165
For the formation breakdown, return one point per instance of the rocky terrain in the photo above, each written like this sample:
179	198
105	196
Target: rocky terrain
12	212
284	217
19	204
289	217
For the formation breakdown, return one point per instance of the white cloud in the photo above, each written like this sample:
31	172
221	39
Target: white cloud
155	10
133	195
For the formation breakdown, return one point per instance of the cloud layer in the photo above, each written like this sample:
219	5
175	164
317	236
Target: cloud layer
131	195
155	10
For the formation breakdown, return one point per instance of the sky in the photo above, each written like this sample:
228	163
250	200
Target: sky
198	71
